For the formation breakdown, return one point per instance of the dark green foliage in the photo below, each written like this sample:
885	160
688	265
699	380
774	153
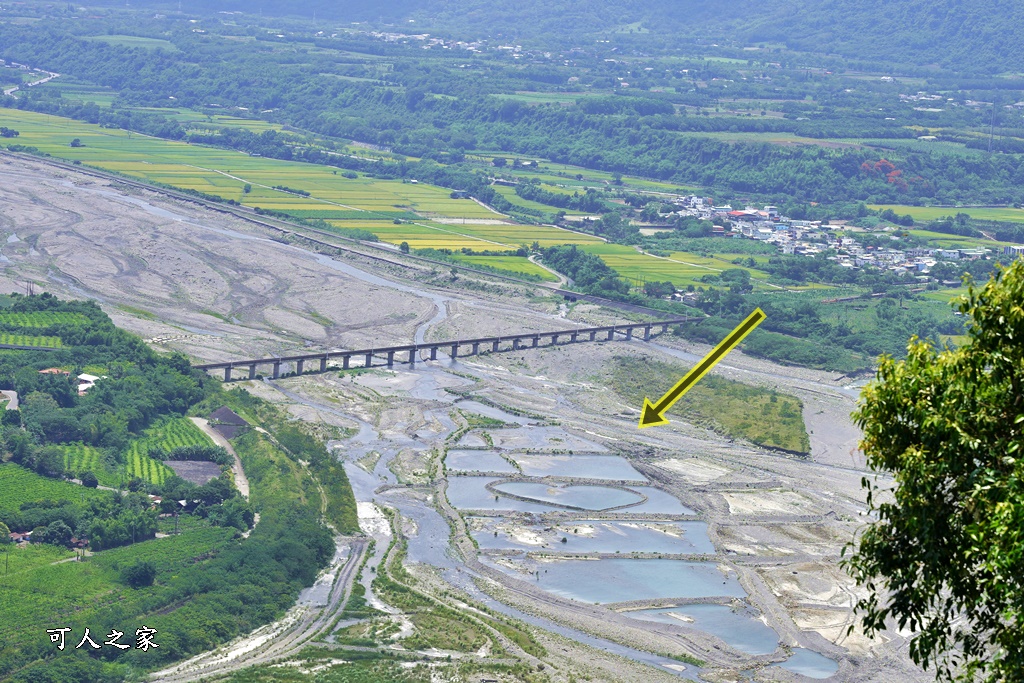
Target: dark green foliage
643	133
943	559
139	575
198	452
659	288
89	479
196	603
590	201
55	533
589	273
141	386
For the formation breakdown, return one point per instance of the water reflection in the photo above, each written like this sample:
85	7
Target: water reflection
739	627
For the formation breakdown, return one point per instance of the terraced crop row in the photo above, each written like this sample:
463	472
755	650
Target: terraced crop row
80	458
26	340
41	319
162	439
144	467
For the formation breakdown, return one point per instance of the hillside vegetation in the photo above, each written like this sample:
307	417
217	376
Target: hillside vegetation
200	584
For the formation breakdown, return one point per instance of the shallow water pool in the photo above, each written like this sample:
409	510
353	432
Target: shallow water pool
739	628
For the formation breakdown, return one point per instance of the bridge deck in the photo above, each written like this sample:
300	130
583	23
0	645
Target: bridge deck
494	345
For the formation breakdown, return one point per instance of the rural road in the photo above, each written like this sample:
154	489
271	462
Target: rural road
12	404
241	482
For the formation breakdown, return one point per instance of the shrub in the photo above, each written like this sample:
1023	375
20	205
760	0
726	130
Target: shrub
139	575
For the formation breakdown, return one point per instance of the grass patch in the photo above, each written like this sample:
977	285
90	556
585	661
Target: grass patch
763	416
475	420
931	213
19	485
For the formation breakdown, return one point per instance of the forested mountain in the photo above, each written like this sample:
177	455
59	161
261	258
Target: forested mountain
984	35
957	34
978	36
349	10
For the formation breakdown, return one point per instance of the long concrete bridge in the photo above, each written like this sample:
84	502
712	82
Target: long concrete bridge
410	353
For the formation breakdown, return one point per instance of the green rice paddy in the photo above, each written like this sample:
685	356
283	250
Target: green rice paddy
368	203
931	213
513	264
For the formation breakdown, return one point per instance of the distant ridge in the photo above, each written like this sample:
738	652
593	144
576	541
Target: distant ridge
982	36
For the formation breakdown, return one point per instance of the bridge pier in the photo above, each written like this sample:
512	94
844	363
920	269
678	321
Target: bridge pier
518	342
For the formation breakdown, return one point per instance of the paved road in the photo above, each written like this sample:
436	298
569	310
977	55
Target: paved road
12	404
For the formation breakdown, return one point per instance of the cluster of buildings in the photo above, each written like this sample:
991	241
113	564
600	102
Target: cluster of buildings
797	237
85	380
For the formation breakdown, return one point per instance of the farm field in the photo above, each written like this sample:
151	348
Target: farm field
136	41
80	458
80	92
944	295
549	170
509	193
680	267
513	264
224	173
161	439
931	213
19	485
41	319
941	239
529	97
27	340
502	236
775	138
76	594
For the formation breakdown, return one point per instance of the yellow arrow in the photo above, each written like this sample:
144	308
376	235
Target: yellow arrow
653	413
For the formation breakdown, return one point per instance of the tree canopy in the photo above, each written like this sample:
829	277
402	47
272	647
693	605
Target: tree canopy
945	557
